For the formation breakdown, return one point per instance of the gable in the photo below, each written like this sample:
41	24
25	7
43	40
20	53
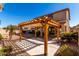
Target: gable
61	15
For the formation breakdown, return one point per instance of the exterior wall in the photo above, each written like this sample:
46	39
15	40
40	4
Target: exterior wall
62	28
4	33
67	22
65	27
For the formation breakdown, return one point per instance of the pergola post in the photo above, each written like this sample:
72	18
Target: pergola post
41	31
58	33
35	33
20	28
46	27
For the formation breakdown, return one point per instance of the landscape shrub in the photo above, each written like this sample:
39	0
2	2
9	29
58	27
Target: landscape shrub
66	50
69	36
5	50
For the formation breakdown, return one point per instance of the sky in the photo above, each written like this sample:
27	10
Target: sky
15	13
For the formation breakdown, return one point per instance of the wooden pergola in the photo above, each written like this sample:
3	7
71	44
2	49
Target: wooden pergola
42	22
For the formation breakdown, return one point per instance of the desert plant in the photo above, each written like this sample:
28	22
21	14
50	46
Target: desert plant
67	50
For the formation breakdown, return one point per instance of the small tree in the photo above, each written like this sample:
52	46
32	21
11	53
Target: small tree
11	29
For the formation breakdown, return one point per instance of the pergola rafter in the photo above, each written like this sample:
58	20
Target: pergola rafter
41	20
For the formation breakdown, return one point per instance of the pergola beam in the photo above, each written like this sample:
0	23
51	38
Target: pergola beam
58	33
52	24
20	33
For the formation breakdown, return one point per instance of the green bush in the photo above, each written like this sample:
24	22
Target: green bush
1	51
69	36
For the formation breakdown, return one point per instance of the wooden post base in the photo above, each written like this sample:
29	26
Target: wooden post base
45	54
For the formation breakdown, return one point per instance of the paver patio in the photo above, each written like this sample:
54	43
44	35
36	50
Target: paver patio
35	47
16	51
30	46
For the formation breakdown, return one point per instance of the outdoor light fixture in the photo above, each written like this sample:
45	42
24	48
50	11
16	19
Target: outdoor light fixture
1	7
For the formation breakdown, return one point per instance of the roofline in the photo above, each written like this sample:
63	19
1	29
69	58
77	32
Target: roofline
55	12
63	10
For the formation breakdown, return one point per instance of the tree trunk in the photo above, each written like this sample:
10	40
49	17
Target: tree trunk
10	36
2	43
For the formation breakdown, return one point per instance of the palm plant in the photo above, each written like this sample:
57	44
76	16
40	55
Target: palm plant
11	29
